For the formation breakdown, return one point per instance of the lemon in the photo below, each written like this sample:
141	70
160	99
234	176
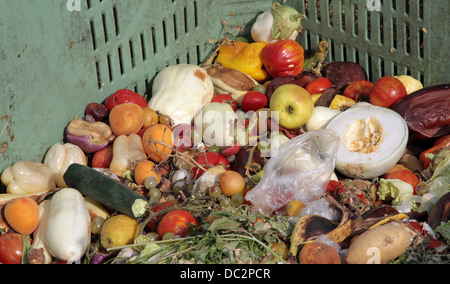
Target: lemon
119	230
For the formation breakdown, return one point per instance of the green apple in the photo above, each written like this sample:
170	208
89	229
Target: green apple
293	104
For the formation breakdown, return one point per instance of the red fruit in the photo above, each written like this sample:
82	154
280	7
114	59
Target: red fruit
253	101
124	96
359	90
225	99
176	222
102	159
283	58
98	111
231	150
318	86
11	248
387	91
208	160
151	225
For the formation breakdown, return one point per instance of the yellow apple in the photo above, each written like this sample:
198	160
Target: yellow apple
293	104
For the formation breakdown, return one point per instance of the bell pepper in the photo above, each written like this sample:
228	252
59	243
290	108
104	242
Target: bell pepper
26	177
60	156
245	57
127	152
426	156
89	136
124	96
283	58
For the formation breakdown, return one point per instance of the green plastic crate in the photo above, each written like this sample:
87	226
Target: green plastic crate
57	56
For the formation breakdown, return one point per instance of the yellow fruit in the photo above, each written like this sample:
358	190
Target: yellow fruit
294	208
341	103
119	230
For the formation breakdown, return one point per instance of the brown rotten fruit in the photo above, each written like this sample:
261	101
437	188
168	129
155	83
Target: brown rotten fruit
318	253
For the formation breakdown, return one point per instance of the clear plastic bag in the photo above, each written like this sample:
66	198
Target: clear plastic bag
300	171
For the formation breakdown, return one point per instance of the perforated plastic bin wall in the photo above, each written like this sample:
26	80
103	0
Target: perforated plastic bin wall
56	56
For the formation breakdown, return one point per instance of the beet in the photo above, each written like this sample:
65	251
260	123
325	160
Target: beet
342	73
301	80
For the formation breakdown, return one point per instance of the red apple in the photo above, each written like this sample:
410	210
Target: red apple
387	91
358	90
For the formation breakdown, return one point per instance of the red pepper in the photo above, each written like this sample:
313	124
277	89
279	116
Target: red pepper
125	96
283	58
438	145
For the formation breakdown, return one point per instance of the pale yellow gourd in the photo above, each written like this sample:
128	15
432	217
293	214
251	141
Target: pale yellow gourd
180	91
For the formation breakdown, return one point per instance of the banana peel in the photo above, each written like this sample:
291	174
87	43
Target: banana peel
307	227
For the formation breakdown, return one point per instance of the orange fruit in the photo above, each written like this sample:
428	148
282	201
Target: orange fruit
231	183
152	139
126	119
150	117
22	214
145	169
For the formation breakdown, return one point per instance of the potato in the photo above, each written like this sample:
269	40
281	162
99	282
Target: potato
379	245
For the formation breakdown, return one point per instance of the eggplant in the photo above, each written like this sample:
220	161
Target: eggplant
426	112
342	73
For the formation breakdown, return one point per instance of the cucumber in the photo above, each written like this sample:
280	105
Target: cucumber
105	190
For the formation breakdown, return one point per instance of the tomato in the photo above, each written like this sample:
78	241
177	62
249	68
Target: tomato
318	86
176	221
11	248
225	98
283	58
124	96
208	160
151	225
254	101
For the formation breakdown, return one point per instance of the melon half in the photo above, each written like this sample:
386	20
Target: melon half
373	140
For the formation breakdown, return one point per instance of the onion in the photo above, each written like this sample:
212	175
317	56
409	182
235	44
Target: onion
373	140
321	116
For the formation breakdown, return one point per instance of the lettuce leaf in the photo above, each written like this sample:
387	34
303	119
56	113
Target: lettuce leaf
399	193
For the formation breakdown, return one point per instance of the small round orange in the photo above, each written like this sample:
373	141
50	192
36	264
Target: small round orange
145	169
231	182
22	214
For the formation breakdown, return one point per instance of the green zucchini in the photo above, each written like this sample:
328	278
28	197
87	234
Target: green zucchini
105	190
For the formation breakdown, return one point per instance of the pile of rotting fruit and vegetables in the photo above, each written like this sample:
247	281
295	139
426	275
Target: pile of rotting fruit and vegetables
258	155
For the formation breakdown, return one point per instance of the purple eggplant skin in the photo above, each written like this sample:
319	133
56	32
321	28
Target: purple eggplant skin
301	80
342	73
426	112
440	212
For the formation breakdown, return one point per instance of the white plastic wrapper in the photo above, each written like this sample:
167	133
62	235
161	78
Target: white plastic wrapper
300	171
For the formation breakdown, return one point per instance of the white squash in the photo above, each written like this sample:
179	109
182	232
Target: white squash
68	226
180	91
373	140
